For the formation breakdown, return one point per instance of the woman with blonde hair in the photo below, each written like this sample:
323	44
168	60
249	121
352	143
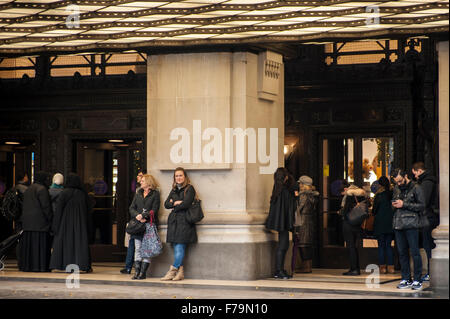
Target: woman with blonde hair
179	231
144	208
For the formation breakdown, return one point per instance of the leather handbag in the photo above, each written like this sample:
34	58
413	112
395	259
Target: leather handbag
368	223
135	227
358	213
195	213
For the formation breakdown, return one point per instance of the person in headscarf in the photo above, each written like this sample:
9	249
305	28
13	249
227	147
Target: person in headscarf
35	245
56	189
71	227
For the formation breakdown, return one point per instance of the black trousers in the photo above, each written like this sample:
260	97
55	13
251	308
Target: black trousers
283	245
352	237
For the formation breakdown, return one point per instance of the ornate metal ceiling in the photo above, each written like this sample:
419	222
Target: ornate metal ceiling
36	26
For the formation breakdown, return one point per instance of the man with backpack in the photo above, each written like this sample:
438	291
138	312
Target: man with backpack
11	207
428	184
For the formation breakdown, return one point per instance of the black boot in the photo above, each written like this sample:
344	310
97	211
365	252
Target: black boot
143	273
137	268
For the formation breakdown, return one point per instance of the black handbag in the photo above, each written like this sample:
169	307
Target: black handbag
135	227
195	213
358	213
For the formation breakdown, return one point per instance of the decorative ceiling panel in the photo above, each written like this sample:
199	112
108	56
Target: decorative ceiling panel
36	26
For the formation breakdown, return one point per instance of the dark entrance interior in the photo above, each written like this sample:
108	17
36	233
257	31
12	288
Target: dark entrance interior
359	159
108	169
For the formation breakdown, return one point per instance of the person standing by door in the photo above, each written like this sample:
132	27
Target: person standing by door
308	199
352	233
71	227
180	232
409	202
56	188
428	184
282	216
131	248
383	231
36	220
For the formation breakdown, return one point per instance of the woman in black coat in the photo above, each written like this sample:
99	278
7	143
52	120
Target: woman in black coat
281	216
179	231
36	219
384	213
352	233
144	208
71	227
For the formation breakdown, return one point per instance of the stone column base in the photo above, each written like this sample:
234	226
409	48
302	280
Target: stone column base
439	261
227	261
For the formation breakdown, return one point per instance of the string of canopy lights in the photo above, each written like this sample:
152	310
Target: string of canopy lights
36	26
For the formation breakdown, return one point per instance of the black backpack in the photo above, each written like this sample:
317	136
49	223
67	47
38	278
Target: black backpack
11	207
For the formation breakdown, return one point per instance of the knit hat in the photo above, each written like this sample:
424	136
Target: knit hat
58	179
305	180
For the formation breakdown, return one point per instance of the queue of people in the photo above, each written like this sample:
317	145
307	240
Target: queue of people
55	222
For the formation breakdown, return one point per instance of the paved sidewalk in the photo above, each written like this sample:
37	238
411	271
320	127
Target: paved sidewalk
107	282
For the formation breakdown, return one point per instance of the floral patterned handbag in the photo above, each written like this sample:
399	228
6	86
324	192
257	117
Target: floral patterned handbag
151	243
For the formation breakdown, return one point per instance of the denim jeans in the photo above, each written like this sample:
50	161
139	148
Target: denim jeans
385	249
179	251
409	238
130	255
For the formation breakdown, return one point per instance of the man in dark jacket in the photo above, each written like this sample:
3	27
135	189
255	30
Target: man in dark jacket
409	202
428	184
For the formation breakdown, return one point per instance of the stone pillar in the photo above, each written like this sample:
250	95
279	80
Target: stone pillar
194	101
439	261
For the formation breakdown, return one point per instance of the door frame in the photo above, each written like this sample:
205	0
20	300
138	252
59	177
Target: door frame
108	252
335	257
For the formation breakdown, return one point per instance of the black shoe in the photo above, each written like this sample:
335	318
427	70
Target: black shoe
281	274
125	271
143	273
354	272
137	268
286	274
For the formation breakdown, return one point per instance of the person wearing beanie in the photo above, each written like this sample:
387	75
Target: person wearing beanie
56	189
305	228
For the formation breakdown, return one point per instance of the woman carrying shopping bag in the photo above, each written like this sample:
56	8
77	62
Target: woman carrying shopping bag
144	208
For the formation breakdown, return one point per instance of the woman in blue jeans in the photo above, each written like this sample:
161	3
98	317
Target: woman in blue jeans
382	209
179	231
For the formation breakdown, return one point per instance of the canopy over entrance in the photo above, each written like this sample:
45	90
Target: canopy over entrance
39	26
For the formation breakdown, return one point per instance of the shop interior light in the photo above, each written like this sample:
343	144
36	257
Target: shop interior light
115	141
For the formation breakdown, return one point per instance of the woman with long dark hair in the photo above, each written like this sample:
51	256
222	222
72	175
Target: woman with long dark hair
180	232
382	209
281	216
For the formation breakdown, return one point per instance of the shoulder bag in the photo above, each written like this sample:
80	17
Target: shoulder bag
195	213
135	227
358	213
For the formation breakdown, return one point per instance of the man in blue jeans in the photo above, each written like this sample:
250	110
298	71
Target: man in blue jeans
129	260
408	199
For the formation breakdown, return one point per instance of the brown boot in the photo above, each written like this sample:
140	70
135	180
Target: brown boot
383	269
180	274
391	269
306	266
170	274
